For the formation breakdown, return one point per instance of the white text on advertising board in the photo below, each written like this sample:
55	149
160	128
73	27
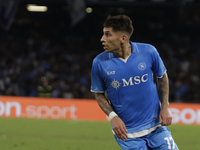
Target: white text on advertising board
31	111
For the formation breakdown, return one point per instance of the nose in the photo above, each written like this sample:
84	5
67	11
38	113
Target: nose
102	39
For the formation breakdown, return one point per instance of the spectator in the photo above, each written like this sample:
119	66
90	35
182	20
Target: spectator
28	52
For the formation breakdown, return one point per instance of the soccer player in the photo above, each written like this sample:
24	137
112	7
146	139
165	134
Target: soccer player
124	87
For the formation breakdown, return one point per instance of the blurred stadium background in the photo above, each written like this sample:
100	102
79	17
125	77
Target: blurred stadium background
48	52
61	42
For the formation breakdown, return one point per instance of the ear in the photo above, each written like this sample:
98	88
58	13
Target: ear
124	38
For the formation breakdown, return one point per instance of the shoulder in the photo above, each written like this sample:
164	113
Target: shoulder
144	48
102	57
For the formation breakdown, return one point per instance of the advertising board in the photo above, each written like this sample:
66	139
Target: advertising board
80	109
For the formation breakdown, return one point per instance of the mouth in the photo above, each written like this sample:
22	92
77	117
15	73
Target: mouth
104	46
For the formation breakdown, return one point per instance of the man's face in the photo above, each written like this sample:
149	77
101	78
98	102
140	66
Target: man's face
111	40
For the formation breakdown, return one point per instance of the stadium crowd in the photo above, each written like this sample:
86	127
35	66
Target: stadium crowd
31	53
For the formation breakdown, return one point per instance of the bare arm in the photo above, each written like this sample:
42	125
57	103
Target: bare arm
163	89
103	103
118	125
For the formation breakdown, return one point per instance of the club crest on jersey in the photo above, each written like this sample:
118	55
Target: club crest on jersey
115	84
142	66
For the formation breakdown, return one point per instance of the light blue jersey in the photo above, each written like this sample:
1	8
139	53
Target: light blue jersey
130	85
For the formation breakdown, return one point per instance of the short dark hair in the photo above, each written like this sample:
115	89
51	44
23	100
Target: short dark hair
119	23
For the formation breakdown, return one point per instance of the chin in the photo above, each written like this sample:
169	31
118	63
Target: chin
106	50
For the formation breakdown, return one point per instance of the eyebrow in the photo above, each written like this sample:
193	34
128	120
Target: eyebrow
107	32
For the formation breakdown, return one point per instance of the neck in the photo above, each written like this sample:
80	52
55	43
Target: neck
124	51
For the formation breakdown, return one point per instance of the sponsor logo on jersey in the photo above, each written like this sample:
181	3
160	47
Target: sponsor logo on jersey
115	84
110	72
131	81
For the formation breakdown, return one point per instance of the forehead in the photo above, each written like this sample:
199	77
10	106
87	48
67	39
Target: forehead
108	29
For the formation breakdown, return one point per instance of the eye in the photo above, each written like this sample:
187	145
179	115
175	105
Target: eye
107	34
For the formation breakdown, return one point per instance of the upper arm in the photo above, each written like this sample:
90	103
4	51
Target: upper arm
164	78
97	83
103	102
158	66
98	95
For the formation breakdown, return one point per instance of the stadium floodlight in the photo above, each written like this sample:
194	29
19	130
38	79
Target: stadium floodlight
36	8
88	10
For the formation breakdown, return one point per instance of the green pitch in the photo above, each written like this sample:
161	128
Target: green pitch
33	134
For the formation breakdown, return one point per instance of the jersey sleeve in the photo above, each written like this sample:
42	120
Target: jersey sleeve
97	84
158	66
